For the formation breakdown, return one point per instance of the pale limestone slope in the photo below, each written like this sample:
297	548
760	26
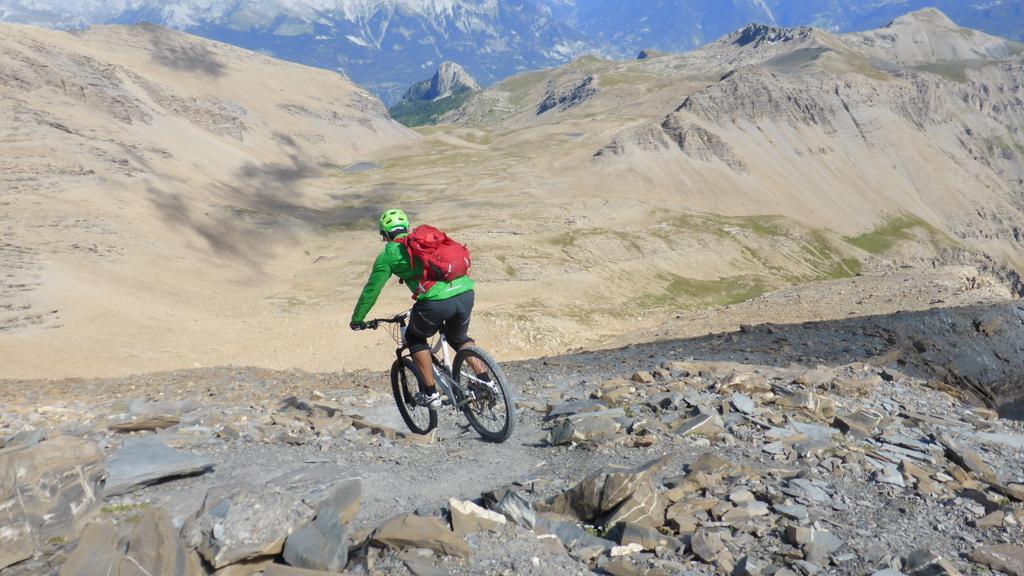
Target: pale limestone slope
930	36
154	189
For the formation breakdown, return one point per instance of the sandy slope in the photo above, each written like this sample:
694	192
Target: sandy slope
156	196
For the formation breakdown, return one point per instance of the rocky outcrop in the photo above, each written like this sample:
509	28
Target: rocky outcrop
47	491
676	132
569	92
755	36
429	101
449	80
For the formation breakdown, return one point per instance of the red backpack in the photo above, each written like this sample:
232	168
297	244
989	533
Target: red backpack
443	259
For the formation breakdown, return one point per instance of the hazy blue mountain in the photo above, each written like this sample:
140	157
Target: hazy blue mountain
624	27
387	45
1002	18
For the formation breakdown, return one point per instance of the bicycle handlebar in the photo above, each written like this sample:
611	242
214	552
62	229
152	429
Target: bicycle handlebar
396	319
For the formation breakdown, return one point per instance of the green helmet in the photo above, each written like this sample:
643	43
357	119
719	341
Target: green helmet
393	219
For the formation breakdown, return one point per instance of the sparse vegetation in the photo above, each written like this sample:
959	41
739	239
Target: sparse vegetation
521	82
122	509
952	71
682	292
896	229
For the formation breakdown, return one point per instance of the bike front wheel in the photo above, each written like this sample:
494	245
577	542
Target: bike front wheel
405	386
492	411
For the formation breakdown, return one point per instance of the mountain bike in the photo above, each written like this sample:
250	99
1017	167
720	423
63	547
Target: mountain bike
483	398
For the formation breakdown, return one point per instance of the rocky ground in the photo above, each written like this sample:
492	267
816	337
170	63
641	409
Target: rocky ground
776	449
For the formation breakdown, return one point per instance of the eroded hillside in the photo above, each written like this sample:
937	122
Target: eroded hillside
155	189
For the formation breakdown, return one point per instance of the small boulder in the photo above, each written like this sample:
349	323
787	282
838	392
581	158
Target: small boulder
602	492
468	518
144	423
575	407
1008	558
702	424
323	543
707	545
410	531
923	562
642	377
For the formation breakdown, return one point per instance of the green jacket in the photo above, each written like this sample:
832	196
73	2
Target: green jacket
394	259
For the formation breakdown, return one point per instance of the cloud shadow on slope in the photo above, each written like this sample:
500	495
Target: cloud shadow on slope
171	50
262	206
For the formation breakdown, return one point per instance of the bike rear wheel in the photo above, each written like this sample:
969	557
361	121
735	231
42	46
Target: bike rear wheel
405	386
492	412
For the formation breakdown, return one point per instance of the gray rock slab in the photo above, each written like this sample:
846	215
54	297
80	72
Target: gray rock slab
803	488
570	533
323	543
147	546
47	491
144	461
575	407
1008	558
743	403
796	511
664	400
517	508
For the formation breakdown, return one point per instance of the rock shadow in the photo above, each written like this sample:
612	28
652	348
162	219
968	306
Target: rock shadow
976	349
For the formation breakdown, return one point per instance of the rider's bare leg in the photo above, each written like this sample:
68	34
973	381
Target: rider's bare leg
425	364
474	362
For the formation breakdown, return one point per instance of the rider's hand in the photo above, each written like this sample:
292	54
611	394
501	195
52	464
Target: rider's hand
357	325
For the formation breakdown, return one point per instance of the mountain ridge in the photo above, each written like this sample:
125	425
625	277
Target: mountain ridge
388	45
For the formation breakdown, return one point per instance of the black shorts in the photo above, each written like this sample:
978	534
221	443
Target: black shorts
451	316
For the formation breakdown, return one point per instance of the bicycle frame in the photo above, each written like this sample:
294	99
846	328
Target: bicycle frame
442	377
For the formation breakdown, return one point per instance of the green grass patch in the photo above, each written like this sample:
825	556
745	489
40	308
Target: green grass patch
427	112
589	64
616	79
521	82
814	248
896	229
1007	143
952	71
682	292
120	509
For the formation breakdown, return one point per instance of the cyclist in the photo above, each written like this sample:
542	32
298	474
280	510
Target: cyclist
445	306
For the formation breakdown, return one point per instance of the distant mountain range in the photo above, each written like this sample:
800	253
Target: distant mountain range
386	45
